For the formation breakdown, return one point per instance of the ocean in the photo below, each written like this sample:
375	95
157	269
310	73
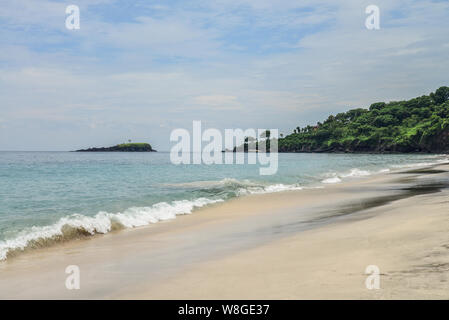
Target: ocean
46	197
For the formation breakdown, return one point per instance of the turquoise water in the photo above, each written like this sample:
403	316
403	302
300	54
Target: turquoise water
53	196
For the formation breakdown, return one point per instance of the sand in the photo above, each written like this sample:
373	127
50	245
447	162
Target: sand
308	244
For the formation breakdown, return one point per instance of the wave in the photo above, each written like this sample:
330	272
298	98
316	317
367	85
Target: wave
269	189
77	225
331	180
335	177
356	173
420	164
226	182
237	187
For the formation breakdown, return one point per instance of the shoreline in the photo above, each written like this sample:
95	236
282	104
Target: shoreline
164	260
75	227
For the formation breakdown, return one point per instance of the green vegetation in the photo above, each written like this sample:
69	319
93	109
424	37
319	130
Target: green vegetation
124	147
417	125
138	145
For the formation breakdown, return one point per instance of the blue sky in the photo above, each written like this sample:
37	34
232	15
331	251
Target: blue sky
139	69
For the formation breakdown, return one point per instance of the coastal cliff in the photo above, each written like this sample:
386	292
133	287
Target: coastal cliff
125	147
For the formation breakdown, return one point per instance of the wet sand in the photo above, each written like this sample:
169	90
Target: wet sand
308	244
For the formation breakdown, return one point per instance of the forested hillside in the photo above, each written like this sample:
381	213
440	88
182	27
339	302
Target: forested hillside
417	125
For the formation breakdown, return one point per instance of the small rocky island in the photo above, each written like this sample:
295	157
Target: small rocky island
124	147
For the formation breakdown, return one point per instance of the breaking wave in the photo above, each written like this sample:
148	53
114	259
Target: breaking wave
230	187
335	177
78	226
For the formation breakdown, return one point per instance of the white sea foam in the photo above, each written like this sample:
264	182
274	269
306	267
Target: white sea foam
268	189
356	173
335	177
420	164
241	187
102	222
331	180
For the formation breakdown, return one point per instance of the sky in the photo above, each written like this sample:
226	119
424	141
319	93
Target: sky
139	69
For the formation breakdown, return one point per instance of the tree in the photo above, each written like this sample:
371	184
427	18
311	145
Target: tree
377	106
441	95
